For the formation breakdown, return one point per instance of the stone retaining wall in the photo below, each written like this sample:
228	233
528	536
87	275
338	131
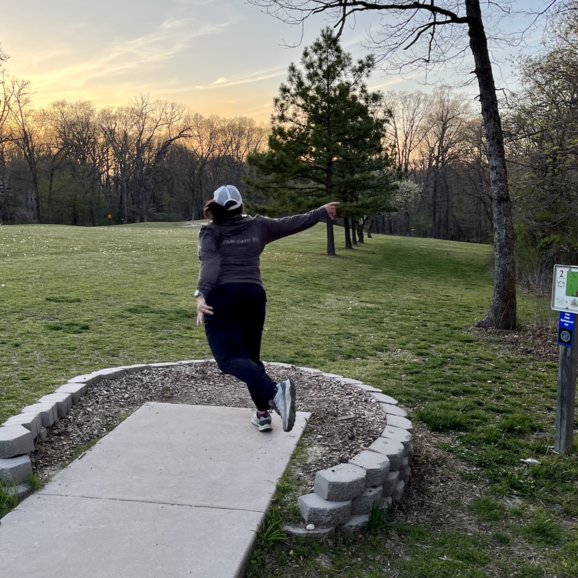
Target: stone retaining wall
343	495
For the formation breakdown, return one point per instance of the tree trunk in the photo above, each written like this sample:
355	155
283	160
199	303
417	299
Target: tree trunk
329	191
36	188
360	238
435	208
353	223
330	239
347	232
502	313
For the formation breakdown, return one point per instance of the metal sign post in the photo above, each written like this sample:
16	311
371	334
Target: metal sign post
565	300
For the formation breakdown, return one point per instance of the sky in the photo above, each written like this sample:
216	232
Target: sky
223	57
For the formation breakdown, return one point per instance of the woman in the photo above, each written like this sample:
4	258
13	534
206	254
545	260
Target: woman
231	300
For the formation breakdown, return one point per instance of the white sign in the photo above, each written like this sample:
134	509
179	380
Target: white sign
565	288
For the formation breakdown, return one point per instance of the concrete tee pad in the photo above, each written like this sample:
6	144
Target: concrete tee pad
174	490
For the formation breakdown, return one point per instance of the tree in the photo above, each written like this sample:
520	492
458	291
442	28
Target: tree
424	26
139	137
408	111
543	149
6	96
27	138
442	144
327	135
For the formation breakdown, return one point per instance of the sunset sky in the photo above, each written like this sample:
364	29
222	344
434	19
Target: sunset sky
220	57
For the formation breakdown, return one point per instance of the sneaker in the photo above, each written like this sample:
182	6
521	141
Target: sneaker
284	403
263	422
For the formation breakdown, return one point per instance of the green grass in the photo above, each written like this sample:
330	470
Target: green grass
394	313
8	497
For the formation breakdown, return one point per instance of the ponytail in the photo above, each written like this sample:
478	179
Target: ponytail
219	214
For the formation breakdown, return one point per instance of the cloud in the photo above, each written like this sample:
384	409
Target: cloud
169	39
257	76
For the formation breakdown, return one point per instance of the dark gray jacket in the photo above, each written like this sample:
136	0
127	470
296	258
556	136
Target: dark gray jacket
230	252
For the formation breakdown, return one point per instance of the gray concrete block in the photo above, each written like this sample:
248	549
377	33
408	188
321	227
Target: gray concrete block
376	467
165	364
137	368
63	402
349	381
397	421
390	483
333	375
393	449
47	411
31	421
310	370
363	504
386	504
15	440
21	491
368	388
323	513
405	474
399	434
390	409
398	491
15	470
340	483
113	372
279	364
382	398
355	523
76	390
87	378
405	469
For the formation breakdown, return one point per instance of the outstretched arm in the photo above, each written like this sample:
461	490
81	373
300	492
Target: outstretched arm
285	226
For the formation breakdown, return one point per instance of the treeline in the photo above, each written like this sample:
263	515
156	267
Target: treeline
70	163
438	143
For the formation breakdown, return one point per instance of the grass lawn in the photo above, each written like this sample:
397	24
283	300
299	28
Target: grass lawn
394	313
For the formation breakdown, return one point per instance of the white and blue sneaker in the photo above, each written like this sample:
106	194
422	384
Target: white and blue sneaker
284	403
263	422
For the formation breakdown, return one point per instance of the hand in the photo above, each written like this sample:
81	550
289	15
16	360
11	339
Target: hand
331	209
202	310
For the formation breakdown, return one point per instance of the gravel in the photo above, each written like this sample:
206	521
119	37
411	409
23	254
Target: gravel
344	421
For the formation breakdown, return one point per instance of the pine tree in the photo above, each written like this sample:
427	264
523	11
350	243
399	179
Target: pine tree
327	135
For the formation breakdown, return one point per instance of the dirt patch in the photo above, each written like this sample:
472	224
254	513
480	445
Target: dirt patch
537	341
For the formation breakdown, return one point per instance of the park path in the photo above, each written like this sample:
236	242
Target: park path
173	491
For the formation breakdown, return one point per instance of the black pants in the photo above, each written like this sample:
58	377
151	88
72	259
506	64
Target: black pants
234	334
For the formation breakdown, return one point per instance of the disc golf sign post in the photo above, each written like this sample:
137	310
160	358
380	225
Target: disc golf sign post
565	300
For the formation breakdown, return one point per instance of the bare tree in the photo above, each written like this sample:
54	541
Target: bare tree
408	111
26	137
78	142
442	143
6	96
424	29
205	147
241	137
139	137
